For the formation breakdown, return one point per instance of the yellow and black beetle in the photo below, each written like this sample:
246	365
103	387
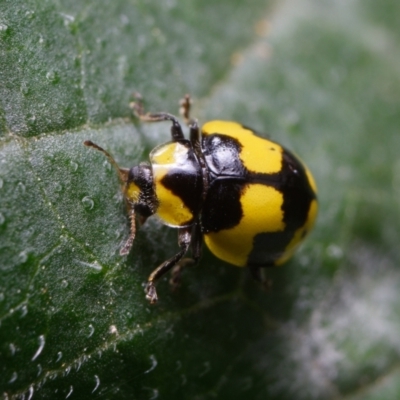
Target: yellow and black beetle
250	199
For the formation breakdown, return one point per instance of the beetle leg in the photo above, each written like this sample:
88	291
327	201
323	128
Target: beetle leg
176	273
184	111
184	239
194	134
195	141
138	110
197	240
257	272
196	244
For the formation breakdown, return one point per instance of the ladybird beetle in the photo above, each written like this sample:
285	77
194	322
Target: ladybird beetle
251	199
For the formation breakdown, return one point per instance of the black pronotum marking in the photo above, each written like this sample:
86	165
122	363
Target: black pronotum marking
227	177
185	181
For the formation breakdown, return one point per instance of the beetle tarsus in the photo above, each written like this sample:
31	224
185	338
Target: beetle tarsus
184	107
151	293
137	105
258	274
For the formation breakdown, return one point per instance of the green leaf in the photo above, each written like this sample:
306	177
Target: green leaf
320	77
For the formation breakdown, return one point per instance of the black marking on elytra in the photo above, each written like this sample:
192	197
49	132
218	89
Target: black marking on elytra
228	177
297	192
222	208
268	247
293	182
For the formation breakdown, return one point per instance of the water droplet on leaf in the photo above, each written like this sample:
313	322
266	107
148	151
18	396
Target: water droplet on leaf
73	165
30	14
97	383
31	390
71	389
24	310
42	342
24	88
58	187
88	203
12	348
23	257
14	377
20	189
91	330
52	76
153	364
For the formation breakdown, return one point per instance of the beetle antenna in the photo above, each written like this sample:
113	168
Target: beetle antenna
128	244
122	172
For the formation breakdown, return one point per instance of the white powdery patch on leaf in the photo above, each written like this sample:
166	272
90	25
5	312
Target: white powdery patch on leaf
352	332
